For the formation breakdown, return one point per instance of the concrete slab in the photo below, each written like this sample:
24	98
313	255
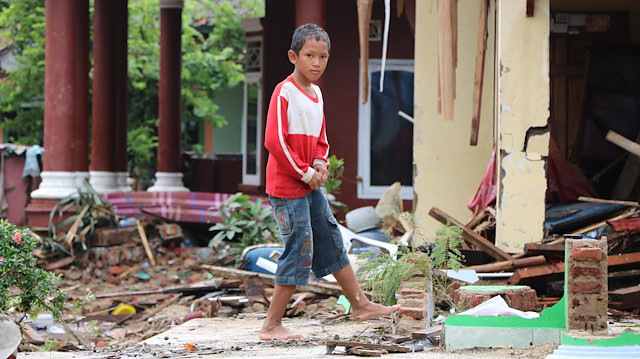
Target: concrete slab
457	338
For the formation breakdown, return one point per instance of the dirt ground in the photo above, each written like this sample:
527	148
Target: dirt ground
238	337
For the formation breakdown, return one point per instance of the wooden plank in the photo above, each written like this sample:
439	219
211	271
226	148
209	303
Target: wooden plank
427	332
625	143
268	279
625	298
471	236
357	344
536	275
509	265
550	250
446	67
145	242
610	201
622	261
479	75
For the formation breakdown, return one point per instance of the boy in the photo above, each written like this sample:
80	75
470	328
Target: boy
297	167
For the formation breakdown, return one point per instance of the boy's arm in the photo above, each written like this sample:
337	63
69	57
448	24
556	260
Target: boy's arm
321	156
275	140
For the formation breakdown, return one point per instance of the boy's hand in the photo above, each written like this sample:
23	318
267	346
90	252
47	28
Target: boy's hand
316	181
323	171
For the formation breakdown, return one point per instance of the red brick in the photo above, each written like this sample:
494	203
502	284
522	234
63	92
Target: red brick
409	291
515	300
477	300
587	271
531	300
587	288
416	313
575	303
587	254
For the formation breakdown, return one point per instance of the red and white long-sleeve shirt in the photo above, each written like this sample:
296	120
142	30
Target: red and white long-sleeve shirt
295	138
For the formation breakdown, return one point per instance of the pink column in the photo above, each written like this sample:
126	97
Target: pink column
169	175
103	173
58	177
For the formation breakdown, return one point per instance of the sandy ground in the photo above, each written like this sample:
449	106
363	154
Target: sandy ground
238	337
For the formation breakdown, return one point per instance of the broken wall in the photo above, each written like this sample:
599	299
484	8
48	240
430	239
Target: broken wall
523	111
448	170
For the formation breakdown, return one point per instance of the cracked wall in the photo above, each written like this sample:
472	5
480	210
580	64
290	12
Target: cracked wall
523	138
448	170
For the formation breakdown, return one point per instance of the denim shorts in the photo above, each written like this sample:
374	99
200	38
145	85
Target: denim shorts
311	238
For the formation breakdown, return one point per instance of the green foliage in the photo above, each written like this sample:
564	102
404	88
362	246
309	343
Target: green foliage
334	181
141	146
446	255
383	274
247	221
90	210
37	287
211	61
21	98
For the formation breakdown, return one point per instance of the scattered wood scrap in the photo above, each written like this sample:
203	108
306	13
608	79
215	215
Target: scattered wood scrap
470	235
331	343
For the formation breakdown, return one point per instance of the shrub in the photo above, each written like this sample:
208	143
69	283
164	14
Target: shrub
36	286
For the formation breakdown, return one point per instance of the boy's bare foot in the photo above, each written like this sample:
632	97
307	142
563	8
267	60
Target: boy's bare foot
372	310
279	332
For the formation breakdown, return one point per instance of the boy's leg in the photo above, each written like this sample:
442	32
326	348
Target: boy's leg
330	258
292	216
361	306
272	327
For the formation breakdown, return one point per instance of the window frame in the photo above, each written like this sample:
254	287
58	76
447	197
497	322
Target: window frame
365	189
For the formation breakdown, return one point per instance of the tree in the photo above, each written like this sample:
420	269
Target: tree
22	93
211	61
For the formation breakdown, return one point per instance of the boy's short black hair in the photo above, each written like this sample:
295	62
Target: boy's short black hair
306	31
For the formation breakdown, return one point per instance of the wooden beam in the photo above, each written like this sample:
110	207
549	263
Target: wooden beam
471	236
625	143
268	279
530	6
446	58
534	275
509	265
479	77
609	201
552	250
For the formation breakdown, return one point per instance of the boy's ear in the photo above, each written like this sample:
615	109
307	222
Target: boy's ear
293	58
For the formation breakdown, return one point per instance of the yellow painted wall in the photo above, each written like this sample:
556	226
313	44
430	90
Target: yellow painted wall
523	103
448	169
632	6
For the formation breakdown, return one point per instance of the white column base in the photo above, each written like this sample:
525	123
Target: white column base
123	182
168	182
56	185
80	177
104	181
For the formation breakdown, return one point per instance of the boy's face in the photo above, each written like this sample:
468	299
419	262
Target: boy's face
312	59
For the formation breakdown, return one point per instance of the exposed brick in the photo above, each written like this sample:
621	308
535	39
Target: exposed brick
531	300
515	300
410	291
416	313
587	271
587	254
586	288
575	303
477	300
